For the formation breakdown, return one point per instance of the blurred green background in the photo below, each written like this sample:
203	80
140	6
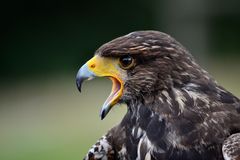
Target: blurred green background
43	43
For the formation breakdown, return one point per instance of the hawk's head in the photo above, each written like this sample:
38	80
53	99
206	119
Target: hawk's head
140	65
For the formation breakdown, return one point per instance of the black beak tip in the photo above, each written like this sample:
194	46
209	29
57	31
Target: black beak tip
102	115
79	86
79	89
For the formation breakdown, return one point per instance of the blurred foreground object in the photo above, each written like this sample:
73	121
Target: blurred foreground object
176	110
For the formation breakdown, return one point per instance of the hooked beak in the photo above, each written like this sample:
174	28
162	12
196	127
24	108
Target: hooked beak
102	67
83	74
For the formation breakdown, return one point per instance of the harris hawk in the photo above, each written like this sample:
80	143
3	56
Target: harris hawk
175	109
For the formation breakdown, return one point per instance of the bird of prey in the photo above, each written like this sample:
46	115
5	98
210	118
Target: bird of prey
175	109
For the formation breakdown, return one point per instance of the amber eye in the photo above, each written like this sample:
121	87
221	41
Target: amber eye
126	62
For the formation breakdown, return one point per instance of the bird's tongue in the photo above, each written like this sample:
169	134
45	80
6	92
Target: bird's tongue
112	98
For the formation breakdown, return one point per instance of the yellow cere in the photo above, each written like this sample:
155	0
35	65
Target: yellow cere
108	67
103	66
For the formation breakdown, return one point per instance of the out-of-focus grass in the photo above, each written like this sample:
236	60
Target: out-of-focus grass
49	119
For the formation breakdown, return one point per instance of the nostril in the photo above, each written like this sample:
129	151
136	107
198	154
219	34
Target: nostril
93	66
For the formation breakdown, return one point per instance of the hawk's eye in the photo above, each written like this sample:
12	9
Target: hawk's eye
126	62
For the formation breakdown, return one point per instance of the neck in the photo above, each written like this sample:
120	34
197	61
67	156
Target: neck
168	102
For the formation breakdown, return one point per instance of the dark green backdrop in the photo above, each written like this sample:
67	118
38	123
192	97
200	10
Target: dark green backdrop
44	37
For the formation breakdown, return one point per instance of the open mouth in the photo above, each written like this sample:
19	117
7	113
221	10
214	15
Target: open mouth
116	88
113	98
103	67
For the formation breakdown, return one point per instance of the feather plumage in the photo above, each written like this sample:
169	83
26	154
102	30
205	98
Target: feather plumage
176	110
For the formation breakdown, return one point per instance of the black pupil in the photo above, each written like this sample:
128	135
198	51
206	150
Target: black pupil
126	61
